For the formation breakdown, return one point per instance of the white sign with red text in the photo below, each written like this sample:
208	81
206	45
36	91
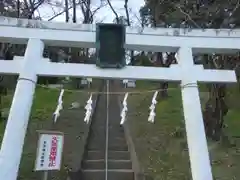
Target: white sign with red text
49	152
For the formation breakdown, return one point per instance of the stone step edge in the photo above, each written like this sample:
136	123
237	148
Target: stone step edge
109	170
109	160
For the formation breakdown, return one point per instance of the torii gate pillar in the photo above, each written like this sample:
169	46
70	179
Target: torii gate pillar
20	111
196	138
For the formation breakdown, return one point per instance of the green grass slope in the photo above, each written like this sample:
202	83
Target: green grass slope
70	123
162	148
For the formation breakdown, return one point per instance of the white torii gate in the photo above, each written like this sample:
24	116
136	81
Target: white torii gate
37	34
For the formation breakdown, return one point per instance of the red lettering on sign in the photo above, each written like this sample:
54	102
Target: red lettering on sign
53	152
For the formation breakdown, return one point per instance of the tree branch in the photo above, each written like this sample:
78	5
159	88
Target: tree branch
98	8
127	12
188	16
66	11
231	13
60	13
113	10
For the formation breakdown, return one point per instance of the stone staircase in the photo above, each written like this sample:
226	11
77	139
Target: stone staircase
118	163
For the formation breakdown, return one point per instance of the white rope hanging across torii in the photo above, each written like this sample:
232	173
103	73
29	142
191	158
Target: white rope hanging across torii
88	109
59	107
124	109
152	113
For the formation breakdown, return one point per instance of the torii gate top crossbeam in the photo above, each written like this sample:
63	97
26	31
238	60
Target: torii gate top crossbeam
32	65
83	35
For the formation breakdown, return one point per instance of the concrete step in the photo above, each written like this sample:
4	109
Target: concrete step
110	132
112	164
113	174
103	130
116	147
99	140
102	138
95	147
94	164
111	147
113	129
116	140
96	125
101	135
100	143
116	126
117	135
119	164
102	124
117	155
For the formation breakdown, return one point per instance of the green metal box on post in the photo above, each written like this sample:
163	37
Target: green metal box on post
110	41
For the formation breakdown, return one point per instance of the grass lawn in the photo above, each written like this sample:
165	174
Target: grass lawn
70	122
162	147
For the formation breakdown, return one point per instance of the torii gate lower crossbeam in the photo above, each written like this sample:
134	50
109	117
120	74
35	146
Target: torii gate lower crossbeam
33	64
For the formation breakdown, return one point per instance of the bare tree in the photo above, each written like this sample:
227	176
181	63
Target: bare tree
74	11
88	14
127	12
30	7
66	11
114	12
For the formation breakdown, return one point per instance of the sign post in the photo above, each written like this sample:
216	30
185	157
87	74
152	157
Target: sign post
49	152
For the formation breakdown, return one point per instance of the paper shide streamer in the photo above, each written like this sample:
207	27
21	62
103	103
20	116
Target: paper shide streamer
56	114
124	109
152	113
88	109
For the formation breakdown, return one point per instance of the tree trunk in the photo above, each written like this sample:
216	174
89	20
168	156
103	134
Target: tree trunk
215	108
74	12
164	89
66	11
159	60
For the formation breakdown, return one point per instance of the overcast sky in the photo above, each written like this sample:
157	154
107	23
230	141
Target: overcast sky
104	14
